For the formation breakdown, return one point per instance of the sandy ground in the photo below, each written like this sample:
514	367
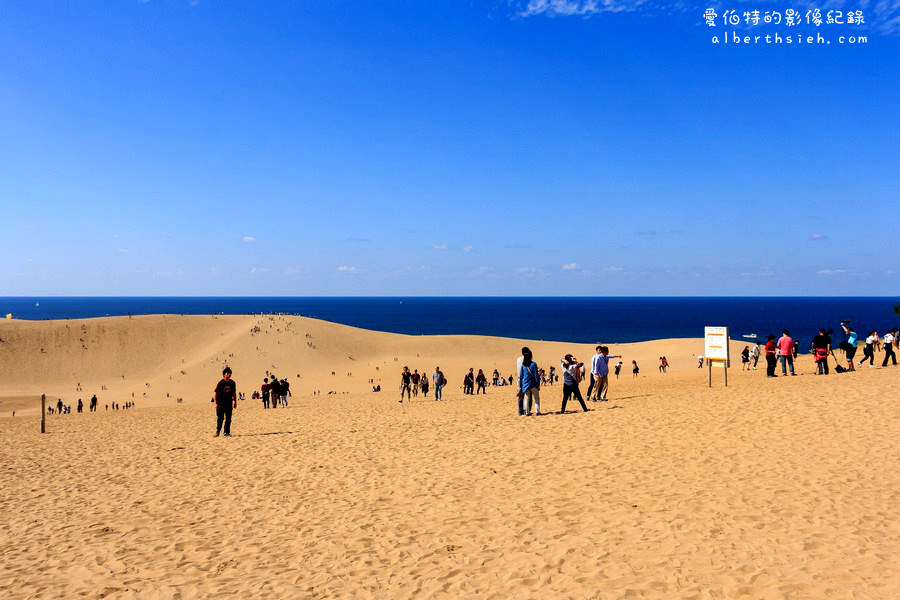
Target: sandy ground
784	488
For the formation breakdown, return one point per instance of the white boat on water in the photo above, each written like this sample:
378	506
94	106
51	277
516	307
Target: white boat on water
750	336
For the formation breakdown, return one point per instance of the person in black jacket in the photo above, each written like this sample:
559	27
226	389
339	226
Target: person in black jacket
226	401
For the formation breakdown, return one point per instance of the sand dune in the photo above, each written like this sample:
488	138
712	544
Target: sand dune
783	488
145	358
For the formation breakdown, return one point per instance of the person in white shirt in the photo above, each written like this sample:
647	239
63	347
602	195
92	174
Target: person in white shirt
754	353
889	338
869	349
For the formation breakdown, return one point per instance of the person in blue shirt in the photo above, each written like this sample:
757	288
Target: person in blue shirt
850	345
530	383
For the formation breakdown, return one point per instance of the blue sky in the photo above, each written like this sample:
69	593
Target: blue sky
476	148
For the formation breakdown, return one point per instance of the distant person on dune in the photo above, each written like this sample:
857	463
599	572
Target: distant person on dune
618	368
745	358
93	405
481	382
226	401
415	383
405	384
265	393
634	369
469	382
439	382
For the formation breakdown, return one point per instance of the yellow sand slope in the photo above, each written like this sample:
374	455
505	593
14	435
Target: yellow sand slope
156	359
771	488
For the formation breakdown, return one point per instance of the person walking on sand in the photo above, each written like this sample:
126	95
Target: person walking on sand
869	349
265	392
285	392
530	384
888	344
80	406
93	406
572	370
275	391
415	383
745	358
700	361
439	382
481	382
754	353
469	382
226	401
405	384
423	385
618	368
634	369
786	352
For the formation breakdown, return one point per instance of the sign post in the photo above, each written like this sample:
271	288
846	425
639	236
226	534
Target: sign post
715	346
43	413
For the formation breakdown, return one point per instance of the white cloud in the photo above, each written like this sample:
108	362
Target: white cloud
569	266
259	270
123	250
568	8
817	237
347	269
440	246
248	239
831	271
613	269
467	249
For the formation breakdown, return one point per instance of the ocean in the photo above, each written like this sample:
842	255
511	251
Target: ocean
571	319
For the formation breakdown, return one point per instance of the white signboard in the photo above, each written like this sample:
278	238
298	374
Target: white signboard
715	343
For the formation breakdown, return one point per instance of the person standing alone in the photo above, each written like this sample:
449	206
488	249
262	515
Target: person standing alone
226	401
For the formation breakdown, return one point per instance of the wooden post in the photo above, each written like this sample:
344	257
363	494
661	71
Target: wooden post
726	373
709	368
43	413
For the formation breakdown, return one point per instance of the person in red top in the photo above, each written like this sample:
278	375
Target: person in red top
771	349
786	352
